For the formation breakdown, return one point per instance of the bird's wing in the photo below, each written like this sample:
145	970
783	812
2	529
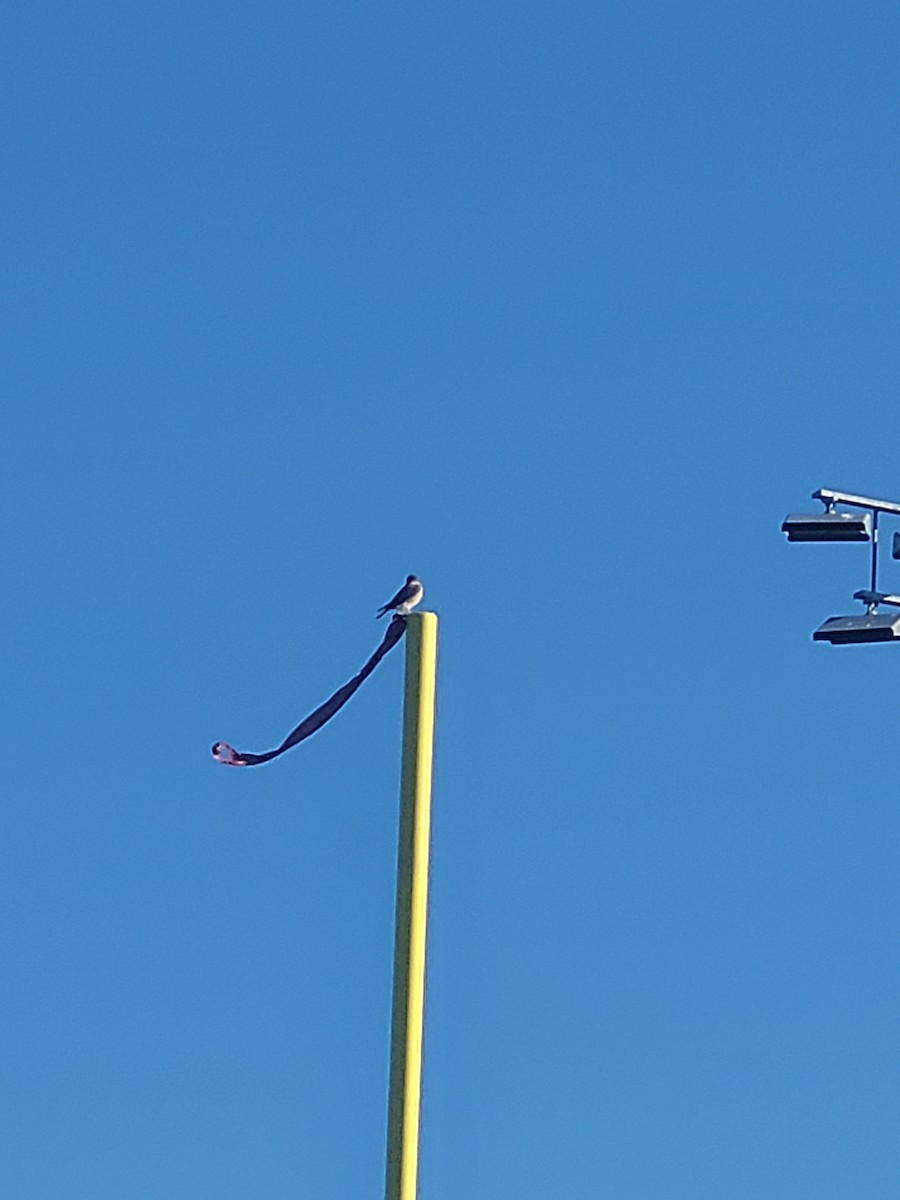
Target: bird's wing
404	594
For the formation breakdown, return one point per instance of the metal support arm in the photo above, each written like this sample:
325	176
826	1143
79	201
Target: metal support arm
829	498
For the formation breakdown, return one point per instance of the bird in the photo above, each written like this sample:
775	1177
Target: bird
407	598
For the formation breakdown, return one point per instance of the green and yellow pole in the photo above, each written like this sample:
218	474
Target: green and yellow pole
407	1024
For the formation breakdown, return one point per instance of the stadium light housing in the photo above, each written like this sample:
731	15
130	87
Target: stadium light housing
871	627
828	527
835	525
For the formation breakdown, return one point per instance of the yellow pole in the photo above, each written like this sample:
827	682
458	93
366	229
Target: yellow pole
412	908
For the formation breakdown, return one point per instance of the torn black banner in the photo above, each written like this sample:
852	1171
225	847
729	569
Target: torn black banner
226	754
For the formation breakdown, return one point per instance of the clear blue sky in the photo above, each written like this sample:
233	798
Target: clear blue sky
561	306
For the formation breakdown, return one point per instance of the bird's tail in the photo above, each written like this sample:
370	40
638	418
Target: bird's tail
381	612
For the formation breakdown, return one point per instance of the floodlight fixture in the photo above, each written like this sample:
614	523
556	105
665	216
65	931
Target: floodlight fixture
874	626
828	527
834	525
871	627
